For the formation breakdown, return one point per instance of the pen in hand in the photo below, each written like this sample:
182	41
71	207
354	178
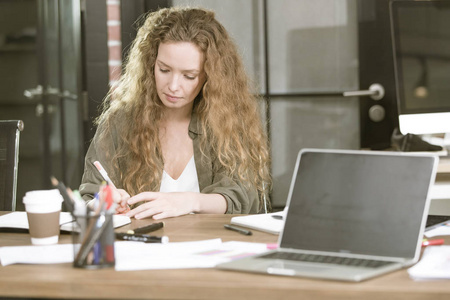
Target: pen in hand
240	230
105	176
102	171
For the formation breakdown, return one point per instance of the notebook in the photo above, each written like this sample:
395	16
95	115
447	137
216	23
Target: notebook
270	223
352	215
18	221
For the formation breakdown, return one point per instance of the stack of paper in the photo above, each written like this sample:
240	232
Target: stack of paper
142	256
435	264
443	229
19	220
45	254
132	256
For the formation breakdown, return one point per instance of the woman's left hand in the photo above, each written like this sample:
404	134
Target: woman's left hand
162	205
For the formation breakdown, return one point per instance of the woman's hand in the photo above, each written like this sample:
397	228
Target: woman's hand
166	205
121	197
161	205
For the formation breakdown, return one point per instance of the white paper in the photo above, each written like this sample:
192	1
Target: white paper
50	254
199	254
142	256
118	221
19	220
229	251
435	264
441	230
14	220
440	191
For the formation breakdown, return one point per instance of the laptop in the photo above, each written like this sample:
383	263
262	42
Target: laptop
352	215
435	221
438	214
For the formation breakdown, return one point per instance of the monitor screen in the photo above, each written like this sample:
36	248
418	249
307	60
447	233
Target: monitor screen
421	44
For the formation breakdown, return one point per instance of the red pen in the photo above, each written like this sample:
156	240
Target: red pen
426	242
108	195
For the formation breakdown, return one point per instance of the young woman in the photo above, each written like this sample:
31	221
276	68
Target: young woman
182	131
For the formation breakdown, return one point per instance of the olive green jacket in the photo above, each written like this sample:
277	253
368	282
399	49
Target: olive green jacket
240	200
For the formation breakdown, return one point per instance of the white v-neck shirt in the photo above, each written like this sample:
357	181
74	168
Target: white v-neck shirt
187	182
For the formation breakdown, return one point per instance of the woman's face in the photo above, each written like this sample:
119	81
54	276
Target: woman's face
179	74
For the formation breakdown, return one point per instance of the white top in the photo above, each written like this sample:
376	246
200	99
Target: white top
187	182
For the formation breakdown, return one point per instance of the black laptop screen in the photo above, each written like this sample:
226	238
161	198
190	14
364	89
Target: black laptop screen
358	203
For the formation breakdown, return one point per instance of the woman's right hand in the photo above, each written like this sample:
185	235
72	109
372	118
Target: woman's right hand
121	197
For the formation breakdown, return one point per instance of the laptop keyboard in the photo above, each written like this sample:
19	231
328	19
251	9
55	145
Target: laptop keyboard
434	219
314	258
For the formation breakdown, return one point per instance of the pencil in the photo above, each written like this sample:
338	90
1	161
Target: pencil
68	202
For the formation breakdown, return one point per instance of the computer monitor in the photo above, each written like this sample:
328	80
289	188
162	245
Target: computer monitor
421	44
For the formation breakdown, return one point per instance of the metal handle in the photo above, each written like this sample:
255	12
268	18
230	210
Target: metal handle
375	91
40	91
32	93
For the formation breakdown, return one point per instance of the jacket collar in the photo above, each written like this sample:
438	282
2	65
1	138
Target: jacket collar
194	125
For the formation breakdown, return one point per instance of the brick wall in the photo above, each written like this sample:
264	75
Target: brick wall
114	40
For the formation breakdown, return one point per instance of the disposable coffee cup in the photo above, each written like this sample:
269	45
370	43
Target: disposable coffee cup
43	209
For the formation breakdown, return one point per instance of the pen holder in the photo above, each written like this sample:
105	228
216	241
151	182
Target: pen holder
93	241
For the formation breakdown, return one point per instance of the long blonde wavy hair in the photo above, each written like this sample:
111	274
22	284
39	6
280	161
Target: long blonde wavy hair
228	110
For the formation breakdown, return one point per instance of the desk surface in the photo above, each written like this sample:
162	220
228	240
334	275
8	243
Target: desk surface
64	281
444	164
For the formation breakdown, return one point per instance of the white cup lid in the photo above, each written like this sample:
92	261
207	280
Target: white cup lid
42	201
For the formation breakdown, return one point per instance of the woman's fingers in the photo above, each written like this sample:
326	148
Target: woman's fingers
143	211
121	197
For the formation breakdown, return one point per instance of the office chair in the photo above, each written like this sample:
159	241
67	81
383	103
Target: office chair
9	160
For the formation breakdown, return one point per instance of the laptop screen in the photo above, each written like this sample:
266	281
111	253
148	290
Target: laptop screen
358	202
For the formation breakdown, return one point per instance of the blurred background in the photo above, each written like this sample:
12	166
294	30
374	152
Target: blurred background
59	58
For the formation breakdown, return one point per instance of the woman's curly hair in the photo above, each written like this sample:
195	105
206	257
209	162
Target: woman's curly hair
228	110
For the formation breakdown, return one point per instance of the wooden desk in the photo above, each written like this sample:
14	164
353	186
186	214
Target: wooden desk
64	281
443	171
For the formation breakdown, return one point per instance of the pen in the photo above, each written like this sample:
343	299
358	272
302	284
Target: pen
240	230
90	238
105	176
142	238
435	242
102	171
147	229
108	196
89	241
